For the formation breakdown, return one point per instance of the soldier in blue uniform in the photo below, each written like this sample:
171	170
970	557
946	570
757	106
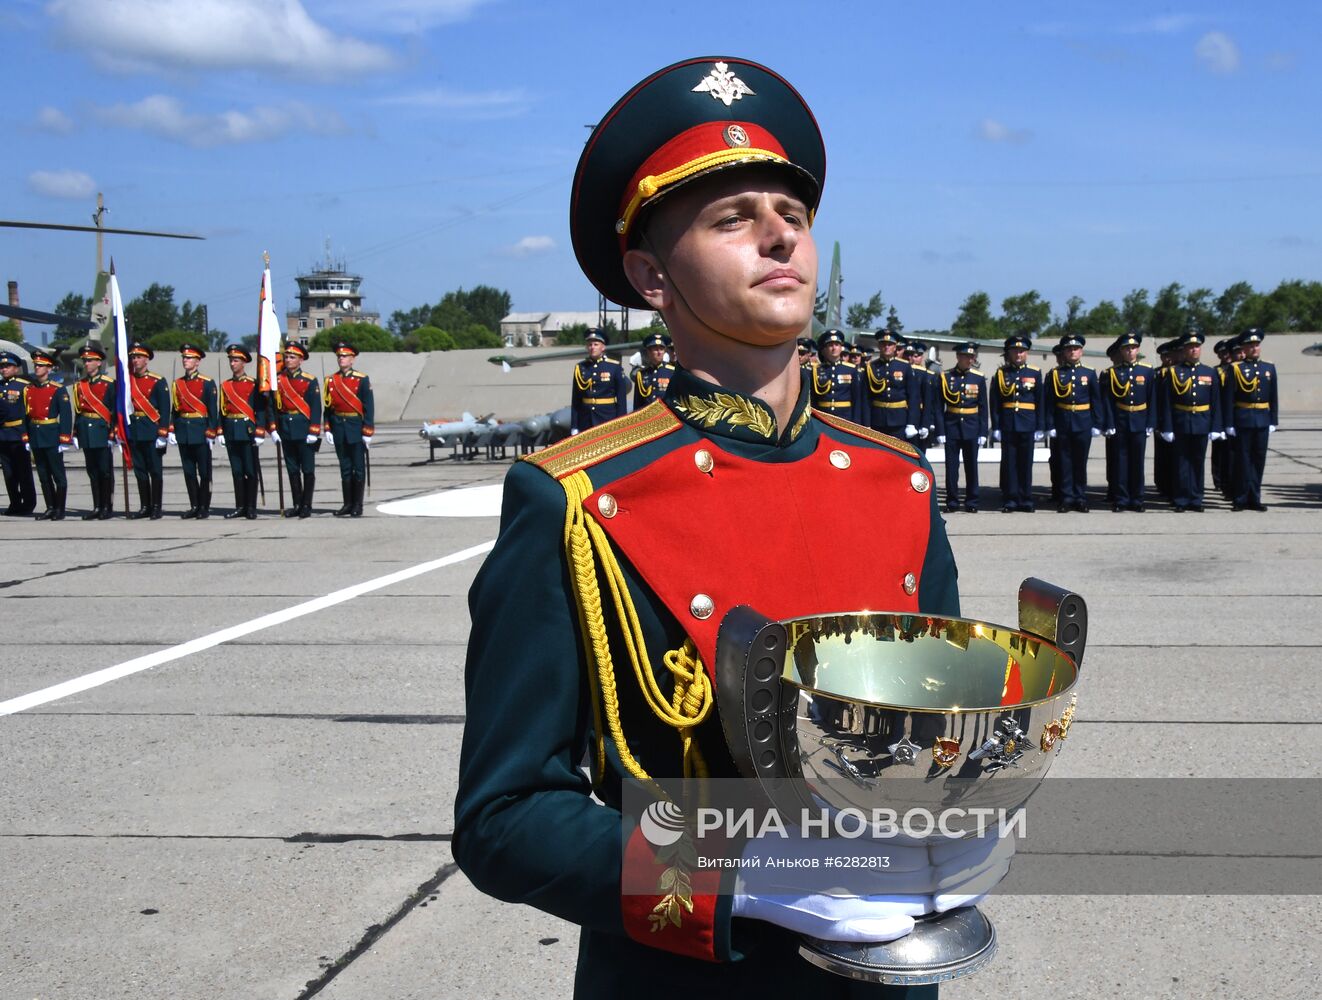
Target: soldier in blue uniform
925	391
890	392
196	413
15	460
836	385
652	377
243	423
1017	420
1163	464
48	433
298	428
1189	414
350	411
1053	452
600	391
1129	391
148	431
1075	416
1251	408
962	424
1223	449
658	508
95	405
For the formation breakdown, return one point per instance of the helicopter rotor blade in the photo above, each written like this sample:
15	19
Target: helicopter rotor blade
8	224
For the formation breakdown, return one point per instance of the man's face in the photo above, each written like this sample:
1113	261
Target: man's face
1192	352
595	349
236	365
91	367
138	364
656	355
40	372
8	370
964	361
1129	353
1016	355
831	353
733	255
345	361
292	362
1252	352
1072	355
190	364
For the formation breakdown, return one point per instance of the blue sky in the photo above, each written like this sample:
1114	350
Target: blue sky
1084	149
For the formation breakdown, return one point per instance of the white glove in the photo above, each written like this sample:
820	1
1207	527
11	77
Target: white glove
162	444
220	439
910	431
922	433
331	437
1215	436
311	439
1230	432
940	439
170	437
1110	432
1168	436
1271	428
64	447
981	441
573	432
1096	432
1051	434
211	443
275	436
367	442
996	436
258	441
75	442
27	445
1038	435
1148	432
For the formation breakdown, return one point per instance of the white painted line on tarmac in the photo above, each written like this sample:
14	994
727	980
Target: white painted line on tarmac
129	667
471	501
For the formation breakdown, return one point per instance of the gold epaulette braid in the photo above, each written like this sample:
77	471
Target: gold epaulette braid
605	440
867	433
588	550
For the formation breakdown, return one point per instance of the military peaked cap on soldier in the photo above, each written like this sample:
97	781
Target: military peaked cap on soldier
681	123
885	337
343	347
1250	336
1129	339
916	347
1056	349
7	358
191	351
296	348
654	340
92	351
831	336
1018	342
141	350
967	347
1073	340
238	351
45	358
1193	335
593	334
1221	347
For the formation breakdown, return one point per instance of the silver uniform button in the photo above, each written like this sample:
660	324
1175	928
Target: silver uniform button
701	607
910	583
920	482
840	459
703	460
607	505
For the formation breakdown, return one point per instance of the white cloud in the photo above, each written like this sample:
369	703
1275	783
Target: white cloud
267	35
62	183
530	246
166	117
54	120
993	131
400	15
1217	52
464	104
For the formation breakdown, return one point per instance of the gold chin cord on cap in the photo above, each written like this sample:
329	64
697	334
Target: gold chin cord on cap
650	185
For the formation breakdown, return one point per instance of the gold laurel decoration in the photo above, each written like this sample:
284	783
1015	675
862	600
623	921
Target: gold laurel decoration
678	889
733	410
801	423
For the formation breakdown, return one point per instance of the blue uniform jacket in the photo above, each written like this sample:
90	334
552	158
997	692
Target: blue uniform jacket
837	389
962	414
1016	400
650	384
12	413
600	393
1189	401
889	387
1074	402
1130	395
1249	396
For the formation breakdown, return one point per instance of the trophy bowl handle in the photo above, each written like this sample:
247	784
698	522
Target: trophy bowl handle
1055	614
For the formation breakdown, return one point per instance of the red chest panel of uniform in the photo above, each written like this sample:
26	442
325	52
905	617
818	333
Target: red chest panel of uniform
40	398
763	534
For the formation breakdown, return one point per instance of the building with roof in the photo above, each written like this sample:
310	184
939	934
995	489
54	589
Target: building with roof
542	329
327	296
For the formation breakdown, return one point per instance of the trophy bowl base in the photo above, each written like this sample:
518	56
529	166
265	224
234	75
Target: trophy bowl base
940	948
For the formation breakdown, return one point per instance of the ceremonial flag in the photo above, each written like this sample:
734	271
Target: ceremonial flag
268	338
123	391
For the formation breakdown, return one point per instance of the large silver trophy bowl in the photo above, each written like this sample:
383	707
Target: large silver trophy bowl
901	711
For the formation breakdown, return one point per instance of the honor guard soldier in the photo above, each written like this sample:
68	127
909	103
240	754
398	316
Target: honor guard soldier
195	428
1129	391
15	460
600	391
805	351
1162	463
835	382
243	423
1075	417
1251	409
350	422
48	433
925	390
298	416
1017	421
149	430
1188	416
962	424
1053	453
95	403
1222	449
652	377
890	392
697	205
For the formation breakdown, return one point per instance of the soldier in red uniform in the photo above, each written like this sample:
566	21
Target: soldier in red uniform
194	429
243	424
94	407
350	423
149	430
48	433
298	428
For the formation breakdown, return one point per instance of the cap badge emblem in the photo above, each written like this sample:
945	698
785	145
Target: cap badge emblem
723	85
735	136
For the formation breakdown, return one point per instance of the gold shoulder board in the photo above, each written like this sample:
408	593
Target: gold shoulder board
867	433
589	447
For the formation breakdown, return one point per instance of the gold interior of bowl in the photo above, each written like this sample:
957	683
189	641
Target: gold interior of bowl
921	663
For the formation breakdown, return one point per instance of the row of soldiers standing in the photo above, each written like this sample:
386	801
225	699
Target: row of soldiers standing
43	419
1186	403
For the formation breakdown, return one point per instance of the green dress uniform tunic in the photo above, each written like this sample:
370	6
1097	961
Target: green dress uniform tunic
94	405
243	422
350	413
196	413
699	493
149	423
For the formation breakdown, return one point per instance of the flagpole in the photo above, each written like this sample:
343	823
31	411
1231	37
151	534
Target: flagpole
124	391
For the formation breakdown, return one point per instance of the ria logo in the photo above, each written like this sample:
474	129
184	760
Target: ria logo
662	824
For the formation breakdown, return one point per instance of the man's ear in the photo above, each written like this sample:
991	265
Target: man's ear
647	277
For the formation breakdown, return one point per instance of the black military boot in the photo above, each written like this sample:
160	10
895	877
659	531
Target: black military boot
346	489
61	495
358	487
240	498
144	498
204	500
295	496
95	512
191	512
309	484
157	490
250	510
107	497
49	501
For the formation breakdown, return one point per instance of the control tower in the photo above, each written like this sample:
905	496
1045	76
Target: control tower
328	295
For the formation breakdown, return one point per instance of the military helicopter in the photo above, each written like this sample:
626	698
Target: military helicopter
99	320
